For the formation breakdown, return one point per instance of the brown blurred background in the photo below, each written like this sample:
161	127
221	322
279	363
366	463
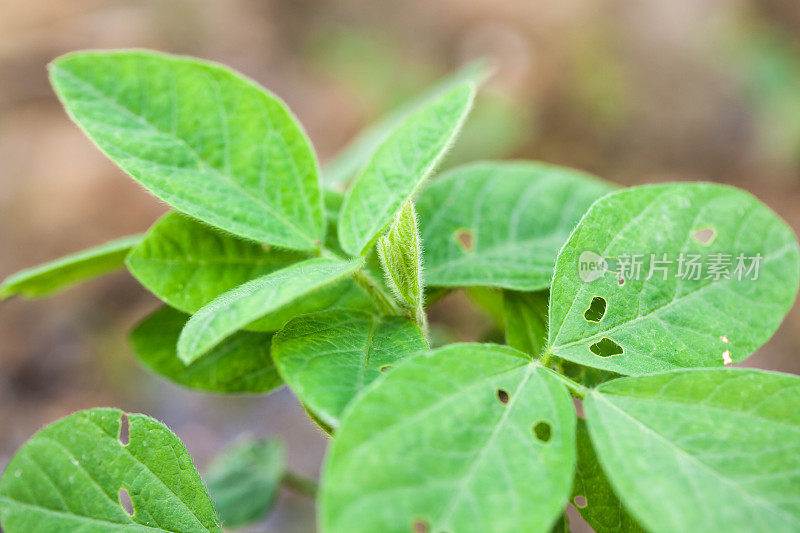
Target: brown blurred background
635	91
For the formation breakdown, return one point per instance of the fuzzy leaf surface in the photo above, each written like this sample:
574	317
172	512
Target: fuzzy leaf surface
202	138
401	258
330	357
46	279
667	321
702	449
261	296
68	477
501	224
187	264
399	166
239	364
346	164
435	444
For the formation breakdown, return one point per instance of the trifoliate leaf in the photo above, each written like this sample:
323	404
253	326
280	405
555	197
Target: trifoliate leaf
51	277
71	476
467	438
239	364
187	264
246	303
353	158
669	276
330	357
399	166
702	449
501	224
202	138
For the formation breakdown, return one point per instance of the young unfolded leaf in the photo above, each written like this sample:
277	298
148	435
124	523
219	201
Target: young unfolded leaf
401	258
202	138
526	320
239	364
500	224
244	480
399	166
187	264
702	449
328	358
592	494
69	477
51	277
465	438
353	158
246	303
717	271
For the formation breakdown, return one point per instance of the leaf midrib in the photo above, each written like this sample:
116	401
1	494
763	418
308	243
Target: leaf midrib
696	460
204	165
89	519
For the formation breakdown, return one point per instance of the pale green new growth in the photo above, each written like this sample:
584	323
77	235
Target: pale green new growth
46	279
239	364
204	139
702	450
667	321
243	305
69	475
501	224
401	258
399	166
328	358
244	480
467	438
352	159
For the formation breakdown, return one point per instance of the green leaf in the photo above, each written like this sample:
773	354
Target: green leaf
401	258
240	364
246	303
244	480
466	438
328	358
399	166
592	494
48	278
662	324
497	224
202	138
526	320
702	450
68	477
187	264
356	155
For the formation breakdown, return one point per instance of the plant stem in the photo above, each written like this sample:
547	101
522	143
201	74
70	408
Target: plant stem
386	304
300	484
574	387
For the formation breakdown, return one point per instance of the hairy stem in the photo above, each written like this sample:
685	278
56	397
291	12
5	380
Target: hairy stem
300	484
574	387
386	304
